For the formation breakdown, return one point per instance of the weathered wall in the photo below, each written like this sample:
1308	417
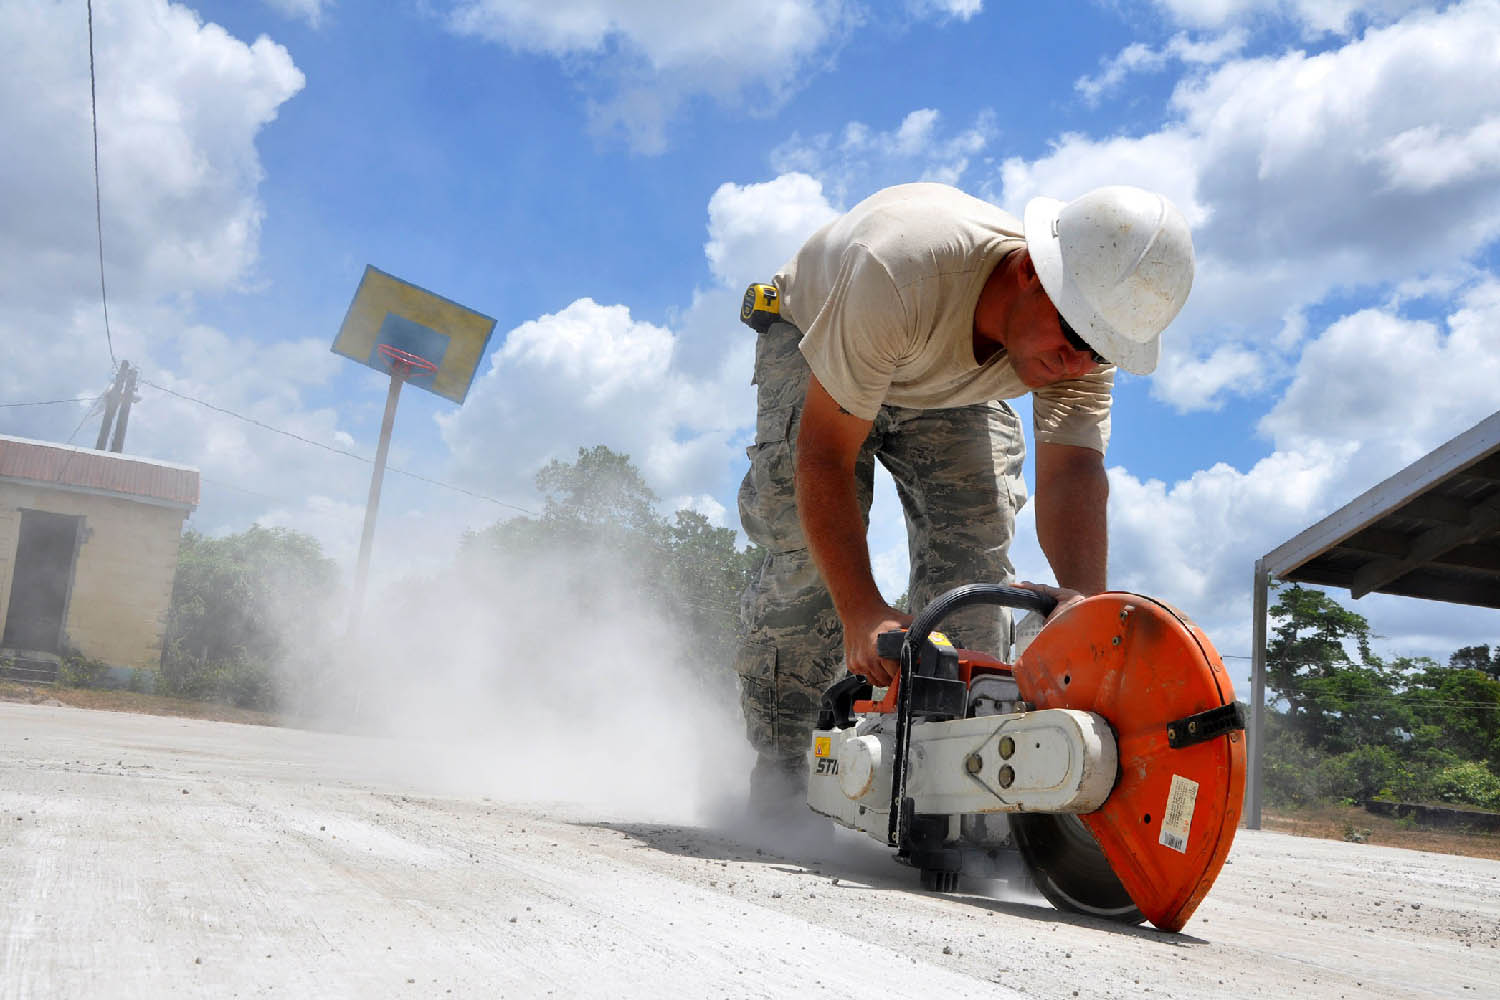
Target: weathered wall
122	582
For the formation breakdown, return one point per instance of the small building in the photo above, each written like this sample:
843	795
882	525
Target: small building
88	554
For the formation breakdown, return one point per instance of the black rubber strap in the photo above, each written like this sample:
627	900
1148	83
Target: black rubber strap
1194	729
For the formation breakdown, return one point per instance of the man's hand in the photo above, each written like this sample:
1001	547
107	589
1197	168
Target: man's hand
859	647
1064	597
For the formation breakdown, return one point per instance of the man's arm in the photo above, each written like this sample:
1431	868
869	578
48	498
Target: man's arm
1071	494
828	445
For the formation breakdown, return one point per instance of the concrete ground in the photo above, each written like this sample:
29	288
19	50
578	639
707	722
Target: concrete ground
154	857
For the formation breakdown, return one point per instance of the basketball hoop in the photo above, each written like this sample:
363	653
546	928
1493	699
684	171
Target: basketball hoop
403	363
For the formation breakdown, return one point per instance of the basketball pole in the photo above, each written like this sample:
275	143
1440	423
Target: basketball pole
372	505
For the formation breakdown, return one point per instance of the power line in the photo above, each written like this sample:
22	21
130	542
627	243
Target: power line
392	468
53	402
1406	699
98	201
336	451
86	414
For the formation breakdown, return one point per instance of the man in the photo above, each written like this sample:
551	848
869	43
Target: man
904	325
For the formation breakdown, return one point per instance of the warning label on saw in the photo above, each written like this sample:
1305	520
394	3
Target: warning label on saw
1178	818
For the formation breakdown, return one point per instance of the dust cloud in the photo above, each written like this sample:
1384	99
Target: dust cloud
545	682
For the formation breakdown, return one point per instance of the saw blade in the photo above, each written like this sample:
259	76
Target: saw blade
1069	867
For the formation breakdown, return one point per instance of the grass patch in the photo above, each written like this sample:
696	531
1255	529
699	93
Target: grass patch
132	701
1354	824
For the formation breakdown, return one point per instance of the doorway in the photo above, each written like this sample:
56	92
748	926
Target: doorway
46	552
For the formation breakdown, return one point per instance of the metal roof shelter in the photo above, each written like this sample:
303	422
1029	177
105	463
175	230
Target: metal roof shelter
1432	530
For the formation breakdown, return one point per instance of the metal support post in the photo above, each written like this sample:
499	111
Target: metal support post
372	505
1256	777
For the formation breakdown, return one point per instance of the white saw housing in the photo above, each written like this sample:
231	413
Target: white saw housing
1055	761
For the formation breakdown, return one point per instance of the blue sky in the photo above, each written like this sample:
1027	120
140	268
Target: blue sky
603	177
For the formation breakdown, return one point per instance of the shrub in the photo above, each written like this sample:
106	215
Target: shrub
1468	783
80	671
1290	767
1363	773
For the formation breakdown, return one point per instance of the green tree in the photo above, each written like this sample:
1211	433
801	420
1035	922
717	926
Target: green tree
1477	658
705	578
1458	711
1356	727
602	490
1335	702
599	513
247	611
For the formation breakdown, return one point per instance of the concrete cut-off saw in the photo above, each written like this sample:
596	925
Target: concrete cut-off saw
1109	756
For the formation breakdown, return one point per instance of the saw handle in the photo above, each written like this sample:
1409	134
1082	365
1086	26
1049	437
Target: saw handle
974	593
888	644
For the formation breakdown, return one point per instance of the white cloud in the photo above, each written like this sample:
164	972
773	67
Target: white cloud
1165	161
179	106
1315	17
639	61
1298	170
644	58
1203	383
1371	394
702	503
677	400
1427	157
310	11
596	348
1395	386
1288	167
590	374
1138	57
755	228
960	10
859	160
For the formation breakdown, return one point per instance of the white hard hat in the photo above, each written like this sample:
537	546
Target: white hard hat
1117	263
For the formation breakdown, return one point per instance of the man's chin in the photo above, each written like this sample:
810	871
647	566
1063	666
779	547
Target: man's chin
1033	379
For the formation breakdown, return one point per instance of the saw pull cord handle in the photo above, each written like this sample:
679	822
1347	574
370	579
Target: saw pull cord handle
921	627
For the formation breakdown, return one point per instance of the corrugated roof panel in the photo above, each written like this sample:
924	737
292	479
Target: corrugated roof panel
1432	530
106	472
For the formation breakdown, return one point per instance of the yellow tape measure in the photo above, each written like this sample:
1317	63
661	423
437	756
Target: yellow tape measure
761	308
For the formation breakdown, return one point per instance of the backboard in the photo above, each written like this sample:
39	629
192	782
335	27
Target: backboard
389	311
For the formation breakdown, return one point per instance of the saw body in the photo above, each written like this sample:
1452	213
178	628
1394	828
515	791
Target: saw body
1106	763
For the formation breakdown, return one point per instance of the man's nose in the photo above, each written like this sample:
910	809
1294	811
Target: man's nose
1077	363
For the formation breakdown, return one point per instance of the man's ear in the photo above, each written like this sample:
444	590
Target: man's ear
1025	269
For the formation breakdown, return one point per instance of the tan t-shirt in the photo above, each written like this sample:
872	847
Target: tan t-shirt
885	298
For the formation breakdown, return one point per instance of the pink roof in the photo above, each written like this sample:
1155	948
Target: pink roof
101	471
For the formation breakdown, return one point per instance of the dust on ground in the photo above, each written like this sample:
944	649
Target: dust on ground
1325	822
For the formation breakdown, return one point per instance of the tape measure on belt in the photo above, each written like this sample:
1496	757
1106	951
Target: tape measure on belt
761	308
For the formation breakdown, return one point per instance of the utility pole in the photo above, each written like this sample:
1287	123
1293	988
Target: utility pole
127	396
111	404
117	405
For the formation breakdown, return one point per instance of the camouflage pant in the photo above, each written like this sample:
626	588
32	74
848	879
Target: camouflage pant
958	474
